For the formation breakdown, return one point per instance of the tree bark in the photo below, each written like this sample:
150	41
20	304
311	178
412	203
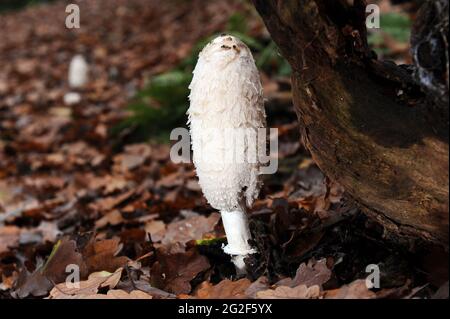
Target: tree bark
379	129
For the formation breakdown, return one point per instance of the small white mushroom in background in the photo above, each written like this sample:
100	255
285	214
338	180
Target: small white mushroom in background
78	72
72	98
78	78
226	95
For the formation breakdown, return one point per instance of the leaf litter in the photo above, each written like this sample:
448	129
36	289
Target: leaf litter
137	225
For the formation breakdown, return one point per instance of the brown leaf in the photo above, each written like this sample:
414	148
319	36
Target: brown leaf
64	253
170	180
442	292
112	218
49	231
311	274
86	288
129	162
226	289
108	203
53	271
45	183
134	156
122	294
144	285
7	282
284	292
101	255
156	229
111	294
355	290
34	284
174	269
193	227
262	283
299	245
9	237
107	184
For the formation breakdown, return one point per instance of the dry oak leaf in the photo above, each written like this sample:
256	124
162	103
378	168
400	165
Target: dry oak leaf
156	229
226	289
355	290
262	283
122	294
111	294
311	274
112	218
108	203
9	237
284	292
7	282
49	231
52	272
34	284
106	184
64	253
46	231
171	180
87	288
102	255
143	285
442	292
175	268
134	156
193	227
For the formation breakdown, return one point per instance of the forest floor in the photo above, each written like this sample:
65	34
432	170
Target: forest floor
135	224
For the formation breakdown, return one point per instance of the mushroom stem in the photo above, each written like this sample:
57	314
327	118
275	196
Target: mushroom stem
238	234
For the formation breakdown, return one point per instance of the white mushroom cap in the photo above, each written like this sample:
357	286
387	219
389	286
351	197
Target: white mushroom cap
78	72
226	94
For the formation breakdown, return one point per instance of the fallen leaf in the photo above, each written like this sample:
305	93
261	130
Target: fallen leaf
193	227
144	285
52	272
112	218
122	294
442	292
156	229
87	287
170	180
174	269
355	290
7	282
262	283
49	231
111	294
311	274
111	279
108	203
284	292
64	253
226	289
9	237
34	284
101	255
134	156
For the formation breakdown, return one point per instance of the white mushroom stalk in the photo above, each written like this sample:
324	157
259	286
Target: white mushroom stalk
226	111
238	234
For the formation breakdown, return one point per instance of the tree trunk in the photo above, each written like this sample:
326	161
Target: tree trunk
379	129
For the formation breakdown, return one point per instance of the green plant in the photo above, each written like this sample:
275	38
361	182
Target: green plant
159	107
395	25
7	5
